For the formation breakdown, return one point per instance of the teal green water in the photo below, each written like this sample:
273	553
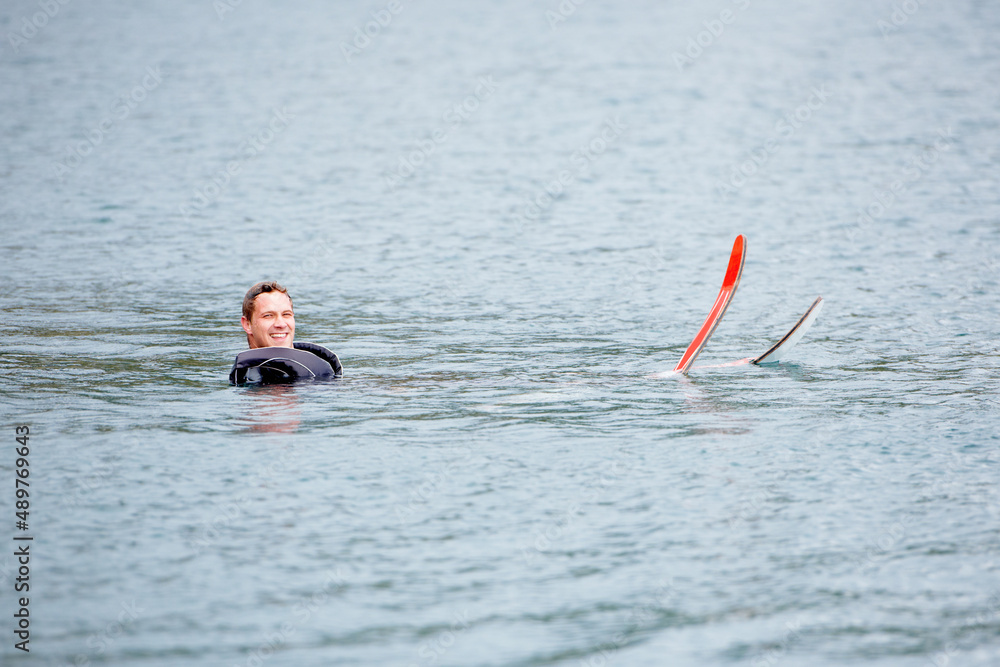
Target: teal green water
504	224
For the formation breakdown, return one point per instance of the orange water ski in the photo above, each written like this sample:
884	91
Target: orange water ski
729	285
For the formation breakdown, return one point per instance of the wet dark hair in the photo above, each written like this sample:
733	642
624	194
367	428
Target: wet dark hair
257	290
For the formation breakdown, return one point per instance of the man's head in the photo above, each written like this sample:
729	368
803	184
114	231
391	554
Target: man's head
267	318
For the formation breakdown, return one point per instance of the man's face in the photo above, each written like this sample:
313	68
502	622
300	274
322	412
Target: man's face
273	322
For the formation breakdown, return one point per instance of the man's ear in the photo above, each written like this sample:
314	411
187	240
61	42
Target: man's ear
246	325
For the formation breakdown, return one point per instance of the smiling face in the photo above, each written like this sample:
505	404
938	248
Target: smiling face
272	323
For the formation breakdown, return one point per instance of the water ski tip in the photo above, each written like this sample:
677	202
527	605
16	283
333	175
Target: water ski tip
726	293
780	349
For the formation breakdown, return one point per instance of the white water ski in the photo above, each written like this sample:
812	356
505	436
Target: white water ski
780	349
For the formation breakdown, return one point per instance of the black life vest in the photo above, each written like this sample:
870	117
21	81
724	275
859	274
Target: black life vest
280	365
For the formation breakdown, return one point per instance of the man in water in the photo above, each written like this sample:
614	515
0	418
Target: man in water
268	318
269	323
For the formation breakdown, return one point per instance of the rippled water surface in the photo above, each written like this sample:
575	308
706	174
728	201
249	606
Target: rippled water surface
504	217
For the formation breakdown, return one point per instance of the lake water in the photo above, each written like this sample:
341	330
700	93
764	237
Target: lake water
504	217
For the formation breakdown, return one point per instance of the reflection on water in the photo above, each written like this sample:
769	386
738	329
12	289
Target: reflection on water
272	409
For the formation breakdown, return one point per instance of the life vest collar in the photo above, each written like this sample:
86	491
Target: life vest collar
279	365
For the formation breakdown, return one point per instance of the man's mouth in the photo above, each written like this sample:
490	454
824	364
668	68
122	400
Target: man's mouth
279	336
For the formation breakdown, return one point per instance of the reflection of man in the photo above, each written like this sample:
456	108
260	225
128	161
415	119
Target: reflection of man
267	316
273	357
